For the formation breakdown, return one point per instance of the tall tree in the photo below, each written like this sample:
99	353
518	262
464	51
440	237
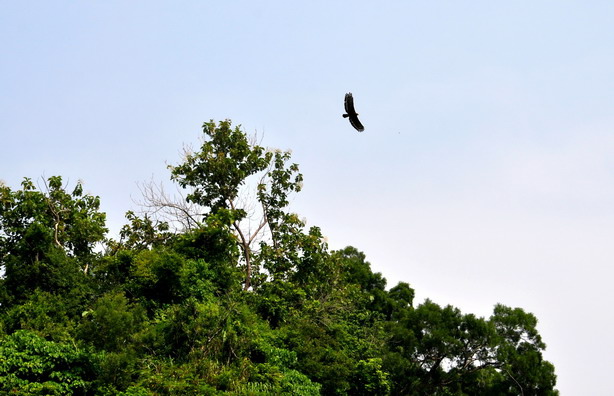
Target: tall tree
218	174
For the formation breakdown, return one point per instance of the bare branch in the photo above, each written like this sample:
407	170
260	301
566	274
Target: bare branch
172	209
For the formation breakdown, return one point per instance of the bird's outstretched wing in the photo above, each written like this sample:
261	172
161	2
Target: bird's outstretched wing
351	112
349	104
356	123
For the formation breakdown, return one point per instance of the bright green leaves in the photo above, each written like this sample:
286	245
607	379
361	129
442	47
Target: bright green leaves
141	233
274	373
218	170
369	378
274	188
288	244
30	365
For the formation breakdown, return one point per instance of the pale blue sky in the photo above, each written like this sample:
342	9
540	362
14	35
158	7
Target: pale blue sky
485	173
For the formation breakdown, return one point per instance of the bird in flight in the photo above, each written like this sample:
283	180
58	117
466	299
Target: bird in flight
351	113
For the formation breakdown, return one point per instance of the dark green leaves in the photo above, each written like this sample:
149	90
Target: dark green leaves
47	238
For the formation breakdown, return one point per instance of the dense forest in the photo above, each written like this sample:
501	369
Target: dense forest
224	290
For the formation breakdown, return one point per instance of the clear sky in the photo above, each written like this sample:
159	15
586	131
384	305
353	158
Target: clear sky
485	174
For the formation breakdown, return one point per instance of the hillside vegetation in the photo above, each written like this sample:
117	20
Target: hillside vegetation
226	291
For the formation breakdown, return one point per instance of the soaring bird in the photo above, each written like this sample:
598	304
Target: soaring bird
351	113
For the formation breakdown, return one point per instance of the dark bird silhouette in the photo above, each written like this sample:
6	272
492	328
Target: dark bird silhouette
351	113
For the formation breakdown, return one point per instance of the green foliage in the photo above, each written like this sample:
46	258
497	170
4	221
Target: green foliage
519	350
116	371
274	374
247	301
273	191
221	166
141	233
47	238
43	313
434	348
112	323
167	378
370	379
34	219
157	276
215	176
30	365
213	249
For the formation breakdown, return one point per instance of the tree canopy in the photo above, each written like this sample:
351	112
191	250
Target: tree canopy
241	298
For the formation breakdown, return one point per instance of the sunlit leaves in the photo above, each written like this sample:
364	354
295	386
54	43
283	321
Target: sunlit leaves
31	365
